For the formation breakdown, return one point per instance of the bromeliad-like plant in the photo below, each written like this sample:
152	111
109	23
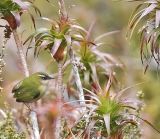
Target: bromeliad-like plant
108	115
95	63
105	116
146	17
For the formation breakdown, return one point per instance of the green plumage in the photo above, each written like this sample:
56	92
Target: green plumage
31	88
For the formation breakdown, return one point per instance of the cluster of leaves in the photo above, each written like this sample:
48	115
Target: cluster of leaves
11	11
55	40
106	116
148	14
8	130
130	128
8	5
99	65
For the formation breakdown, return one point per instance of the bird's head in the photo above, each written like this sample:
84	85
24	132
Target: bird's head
43	77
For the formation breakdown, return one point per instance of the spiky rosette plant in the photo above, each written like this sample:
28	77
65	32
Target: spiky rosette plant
146	17
58	38
111	111
109	116
53	40
92	62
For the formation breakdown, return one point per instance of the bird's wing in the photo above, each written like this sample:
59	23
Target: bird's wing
27	91
17	87
27	96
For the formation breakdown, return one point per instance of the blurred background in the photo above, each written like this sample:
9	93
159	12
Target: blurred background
108	16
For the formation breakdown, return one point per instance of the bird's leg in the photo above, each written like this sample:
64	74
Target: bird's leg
28	106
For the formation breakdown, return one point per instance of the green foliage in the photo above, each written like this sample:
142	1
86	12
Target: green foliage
108	106
11	11
8	6
130	128
87	56
58	38
8	129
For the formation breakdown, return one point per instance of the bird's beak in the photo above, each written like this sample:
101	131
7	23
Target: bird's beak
50	78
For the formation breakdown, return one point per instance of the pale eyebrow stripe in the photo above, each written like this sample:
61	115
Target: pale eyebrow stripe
41	75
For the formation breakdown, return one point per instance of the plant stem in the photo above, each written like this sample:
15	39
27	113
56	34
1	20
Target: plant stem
60	82
77	79
20	53
63	14
35	127
33	115
59	105
2	62
63	11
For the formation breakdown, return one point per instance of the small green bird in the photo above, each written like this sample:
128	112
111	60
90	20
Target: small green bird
31	88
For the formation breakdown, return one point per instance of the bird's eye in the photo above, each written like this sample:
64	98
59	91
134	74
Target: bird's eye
43	77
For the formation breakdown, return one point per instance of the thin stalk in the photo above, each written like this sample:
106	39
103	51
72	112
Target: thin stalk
77	79
35	128
21	54
63	14
33	115
63	11
60	82
2	62
59	106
